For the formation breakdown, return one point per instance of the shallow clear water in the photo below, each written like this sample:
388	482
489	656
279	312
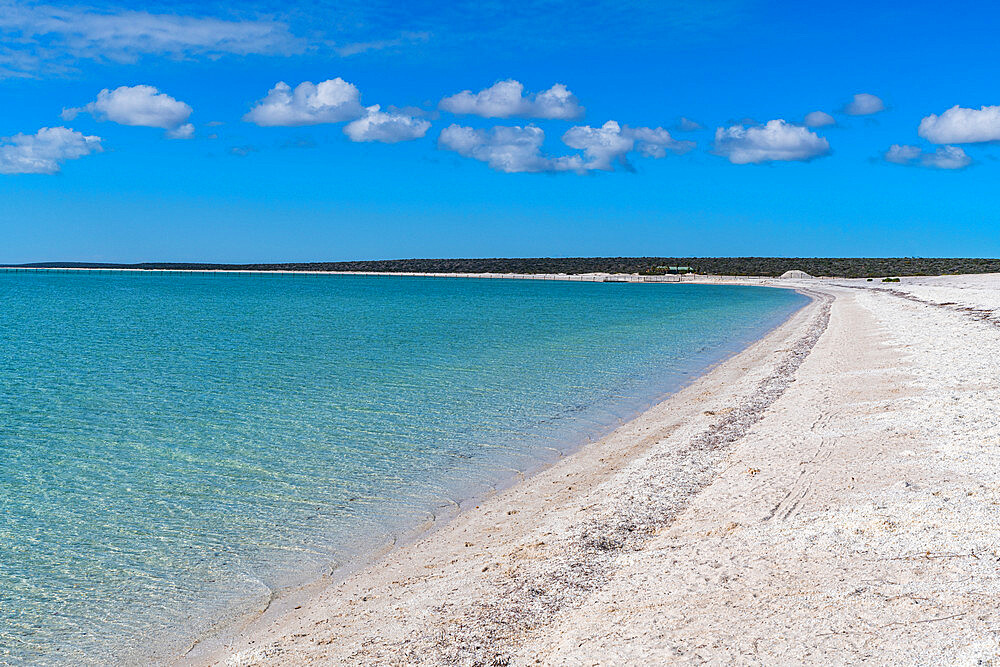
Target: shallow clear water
175	447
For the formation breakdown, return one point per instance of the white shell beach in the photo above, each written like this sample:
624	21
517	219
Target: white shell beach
827	496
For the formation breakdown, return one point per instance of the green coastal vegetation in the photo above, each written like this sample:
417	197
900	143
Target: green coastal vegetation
844	267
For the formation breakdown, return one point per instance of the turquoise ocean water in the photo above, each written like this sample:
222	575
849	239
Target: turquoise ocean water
173	448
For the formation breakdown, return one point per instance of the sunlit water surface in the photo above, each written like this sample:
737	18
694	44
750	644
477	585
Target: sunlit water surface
173	448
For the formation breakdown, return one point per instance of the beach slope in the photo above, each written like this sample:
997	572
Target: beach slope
830	494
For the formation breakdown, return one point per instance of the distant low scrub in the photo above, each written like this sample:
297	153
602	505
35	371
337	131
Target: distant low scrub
844	267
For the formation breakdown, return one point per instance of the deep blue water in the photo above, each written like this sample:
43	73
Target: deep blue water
175	447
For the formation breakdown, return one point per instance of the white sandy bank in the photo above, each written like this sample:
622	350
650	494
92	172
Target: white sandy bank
829	496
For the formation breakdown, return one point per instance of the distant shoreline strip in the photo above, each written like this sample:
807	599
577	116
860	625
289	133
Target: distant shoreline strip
589	278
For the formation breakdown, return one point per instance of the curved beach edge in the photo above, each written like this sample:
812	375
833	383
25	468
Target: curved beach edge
754	377
826	496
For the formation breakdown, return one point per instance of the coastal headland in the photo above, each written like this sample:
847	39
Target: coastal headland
828	495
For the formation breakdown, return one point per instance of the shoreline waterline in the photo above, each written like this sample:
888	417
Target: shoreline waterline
217	645
827	495
689	278
602	413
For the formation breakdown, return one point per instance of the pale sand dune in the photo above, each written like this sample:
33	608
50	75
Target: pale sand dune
821	499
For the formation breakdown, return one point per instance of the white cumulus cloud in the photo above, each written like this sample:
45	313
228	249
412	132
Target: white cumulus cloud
655	142
864	104
944	157
506	98
388	127
185	131
507	149
818	119
42	152
610	143
331	101
959	125
519	149
143	106
776	140
902	154
601	146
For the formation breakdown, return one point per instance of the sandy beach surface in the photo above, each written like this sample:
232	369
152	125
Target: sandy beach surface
831	495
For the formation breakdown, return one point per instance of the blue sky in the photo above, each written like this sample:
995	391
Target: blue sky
170	139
